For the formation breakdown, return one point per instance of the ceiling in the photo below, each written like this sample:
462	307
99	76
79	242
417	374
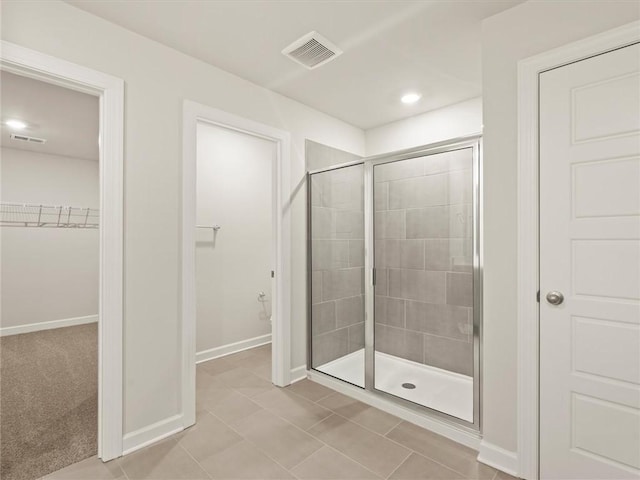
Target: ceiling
390	47
67	119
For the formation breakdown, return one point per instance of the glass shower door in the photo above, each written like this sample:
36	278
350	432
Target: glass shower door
423	230
336	266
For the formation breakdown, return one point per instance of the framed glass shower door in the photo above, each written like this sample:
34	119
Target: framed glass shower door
423	236
394	277
336	264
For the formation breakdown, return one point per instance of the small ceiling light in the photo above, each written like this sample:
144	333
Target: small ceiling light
410	98
16	124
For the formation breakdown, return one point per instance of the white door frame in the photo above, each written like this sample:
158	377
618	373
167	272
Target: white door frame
528	236
193	113
30	63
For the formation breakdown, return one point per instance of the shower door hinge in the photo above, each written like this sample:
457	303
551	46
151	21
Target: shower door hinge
273	274
538	296
373	276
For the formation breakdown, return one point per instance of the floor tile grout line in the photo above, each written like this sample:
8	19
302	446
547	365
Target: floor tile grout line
305	459
446	466
258	446
435	461
326	396
227	422
368	406
276	414
118	461
230	426
289	392
126	476
302	396
310	401
235	389
194	459
371	430
304	431
376	433
287	388
318	423
400	464
275	386
325	444
334	392
392	428
405	446
330	447
353	460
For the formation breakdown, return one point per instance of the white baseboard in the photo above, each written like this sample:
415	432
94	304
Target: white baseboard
151	434
35	327
464	437
236	347
499	458
298	373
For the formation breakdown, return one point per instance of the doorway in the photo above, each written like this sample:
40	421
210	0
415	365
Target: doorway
104	222
277	307
235	248
49	214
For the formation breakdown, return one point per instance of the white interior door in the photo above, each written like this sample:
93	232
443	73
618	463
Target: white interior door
590	253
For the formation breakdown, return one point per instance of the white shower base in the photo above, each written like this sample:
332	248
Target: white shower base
447	392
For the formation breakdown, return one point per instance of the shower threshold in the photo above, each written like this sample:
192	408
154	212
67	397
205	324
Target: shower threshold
447	392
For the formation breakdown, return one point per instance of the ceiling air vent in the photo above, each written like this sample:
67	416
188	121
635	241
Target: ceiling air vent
25	138
312	50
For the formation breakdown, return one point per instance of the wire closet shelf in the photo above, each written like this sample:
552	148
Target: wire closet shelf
48	216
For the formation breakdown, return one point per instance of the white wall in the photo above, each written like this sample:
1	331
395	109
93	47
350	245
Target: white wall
157	80
234	190
48	273
458	120
515	34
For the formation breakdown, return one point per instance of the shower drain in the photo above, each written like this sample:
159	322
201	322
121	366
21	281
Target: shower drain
410	386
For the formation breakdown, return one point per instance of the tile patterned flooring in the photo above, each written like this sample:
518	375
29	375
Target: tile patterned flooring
248	429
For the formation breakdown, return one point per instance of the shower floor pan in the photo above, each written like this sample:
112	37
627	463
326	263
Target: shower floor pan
447	392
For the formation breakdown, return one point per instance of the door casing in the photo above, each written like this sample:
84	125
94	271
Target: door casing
194	113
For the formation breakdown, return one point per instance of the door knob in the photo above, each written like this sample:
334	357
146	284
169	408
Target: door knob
555	298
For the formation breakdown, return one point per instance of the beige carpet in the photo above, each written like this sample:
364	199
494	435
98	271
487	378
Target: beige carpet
48	400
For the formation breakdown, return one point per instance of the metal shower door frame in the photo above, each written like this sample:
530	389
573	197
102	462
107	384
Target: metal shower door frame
475	143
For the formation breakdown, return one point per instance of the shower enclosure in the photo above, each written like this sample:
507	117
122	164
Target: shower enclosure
394	277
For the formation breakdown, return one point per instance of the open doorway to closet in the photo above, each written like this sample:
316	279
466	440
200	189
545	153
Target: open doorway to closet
234	245
61	234
50	215
236	238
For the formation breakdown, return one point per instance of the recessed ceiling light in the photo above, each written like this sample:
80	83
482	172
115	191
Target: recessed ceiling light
16	124
410	98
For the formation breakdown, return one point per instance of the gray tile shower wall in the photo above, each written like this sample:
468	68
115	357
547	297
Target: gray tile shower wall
337	255
423	254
